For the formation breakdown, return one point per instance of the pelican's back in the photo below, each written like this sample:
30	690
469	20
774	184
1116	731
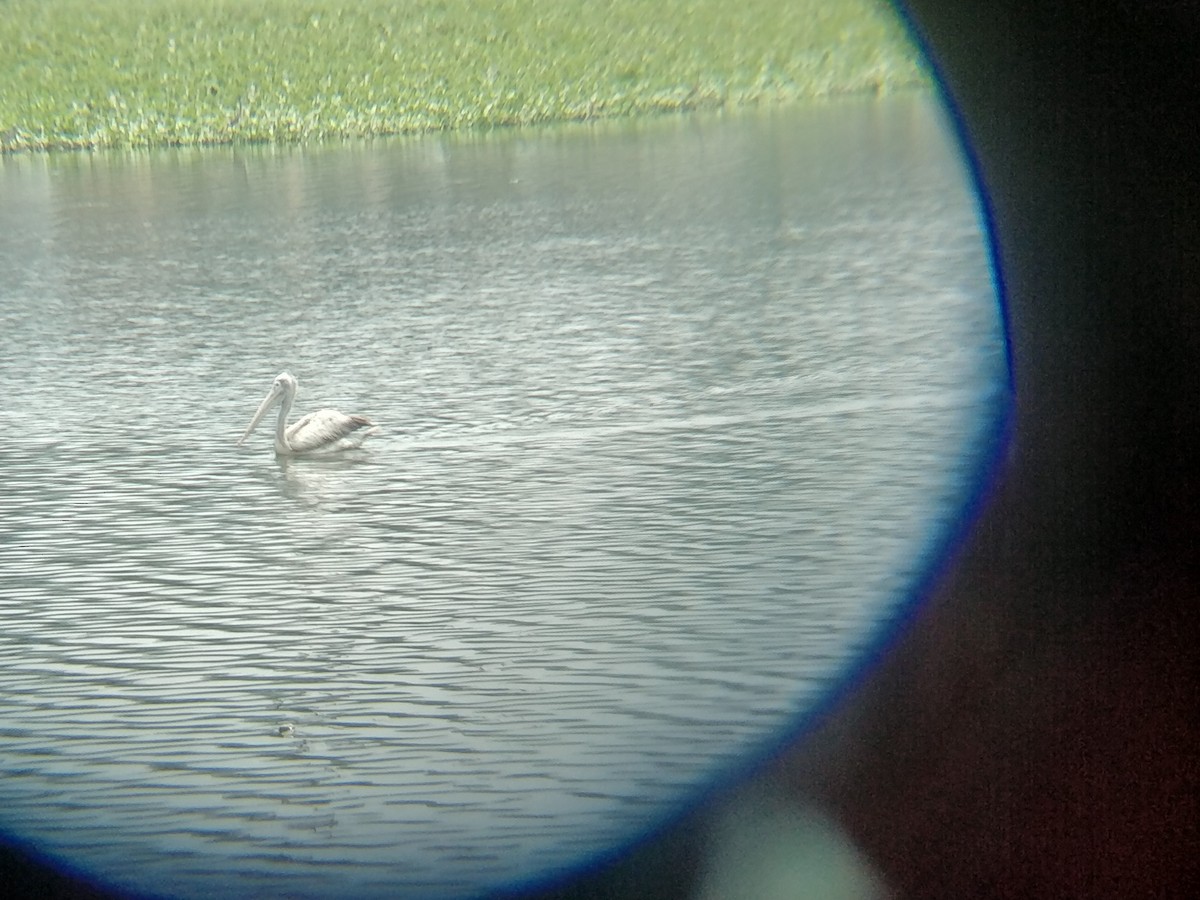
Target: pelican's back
329	429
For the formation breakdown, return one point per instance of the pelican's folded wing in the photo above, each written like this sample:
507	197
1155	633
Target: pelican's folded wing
328	429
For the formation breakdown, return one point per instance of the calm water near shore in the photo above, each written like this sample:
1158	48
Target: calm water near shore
674	415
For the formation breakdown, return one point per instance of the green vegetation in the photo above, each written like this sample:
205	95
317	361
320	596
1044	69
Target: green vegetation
135	73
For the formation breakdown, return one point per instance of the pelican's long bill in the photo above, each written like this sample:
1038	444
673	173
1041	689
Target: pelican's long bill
270	400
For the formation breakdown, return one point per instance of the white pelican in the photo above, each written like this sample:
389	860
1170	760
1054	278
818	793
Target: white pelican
323	430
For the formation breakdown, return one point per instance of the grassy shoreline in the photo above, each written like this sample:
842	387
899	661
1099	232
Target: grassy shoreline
143	73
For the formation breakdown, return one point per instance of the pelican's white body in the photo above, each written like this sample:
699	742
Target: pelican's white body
325	430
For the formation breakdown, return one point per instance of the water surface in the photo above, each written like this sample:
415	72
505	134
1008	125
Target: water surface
674	414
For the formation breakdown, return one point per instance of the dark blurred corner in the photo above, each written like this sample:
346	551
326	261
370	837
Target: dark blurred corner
1033	733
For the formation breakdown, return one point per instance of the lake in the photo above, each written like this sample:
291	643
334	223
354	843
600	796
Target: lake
674	416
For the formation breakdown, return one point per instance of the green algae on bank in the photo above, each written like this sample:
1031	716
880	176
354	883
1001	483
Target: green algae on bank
140	73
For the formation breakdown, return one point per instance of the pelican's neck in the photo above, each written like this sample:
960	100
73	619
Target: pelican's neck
285	407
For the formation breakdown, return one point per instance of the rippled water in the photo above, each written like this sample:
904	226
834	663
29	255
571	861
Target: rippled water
673	414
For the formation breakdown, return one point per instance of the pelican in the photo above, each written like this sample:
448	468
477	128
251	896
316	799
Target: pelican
323	430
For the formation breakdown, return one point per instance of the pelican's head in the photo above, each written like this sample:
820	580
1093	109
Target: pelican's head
283	387
285	382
